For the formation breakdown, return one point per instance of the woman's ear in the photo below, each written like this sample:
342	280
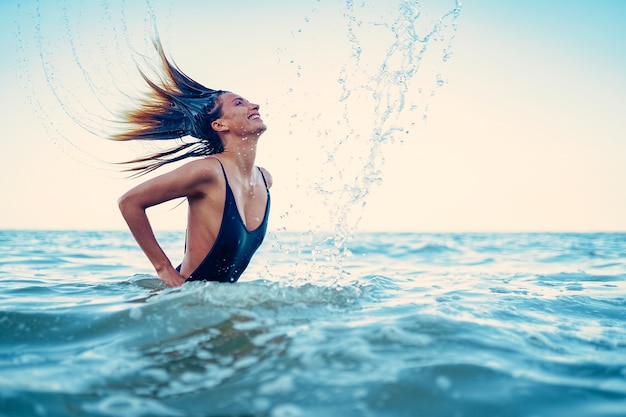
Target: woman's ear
218	126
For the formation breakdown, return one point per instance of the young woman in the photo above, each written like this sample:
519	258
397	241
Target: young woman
228	196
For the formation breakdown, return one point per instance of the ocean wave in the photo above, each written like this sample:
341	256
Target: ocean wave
428	332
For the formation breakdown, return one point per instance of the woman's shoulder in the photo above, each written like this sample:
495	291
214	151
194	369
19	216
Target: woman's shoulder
205	169
267	176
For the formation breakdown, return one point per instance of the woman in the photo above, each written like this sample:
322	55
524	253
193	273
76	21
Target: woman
228	197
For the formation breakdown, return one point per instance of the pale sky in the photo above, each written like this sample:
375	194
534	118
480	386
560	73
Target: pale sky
525	126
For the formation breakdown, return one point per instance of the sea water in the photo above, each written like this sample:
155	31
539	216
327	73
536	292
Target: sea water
395	324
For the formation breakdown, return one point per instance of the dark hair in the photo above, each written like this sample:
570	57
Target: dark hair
174	107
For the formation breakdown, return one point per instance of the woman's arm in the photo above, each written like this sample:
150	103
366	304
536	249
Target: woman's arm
186	181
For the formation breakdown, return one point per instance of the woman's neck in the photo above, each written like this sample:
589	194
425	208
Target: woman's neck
242	153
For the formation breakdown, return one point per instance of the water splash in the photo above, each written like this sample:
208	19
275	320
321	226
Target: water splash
384	95
73	62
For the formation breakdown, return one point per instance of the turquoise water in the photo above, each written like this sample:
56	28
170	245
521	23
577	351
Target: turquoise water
395	325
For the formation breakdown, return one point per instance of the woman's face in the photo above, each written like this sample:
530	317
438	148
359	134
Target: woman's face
239	116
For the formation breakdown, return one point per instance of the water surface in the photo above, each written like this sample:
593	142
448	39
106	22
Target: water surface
394	325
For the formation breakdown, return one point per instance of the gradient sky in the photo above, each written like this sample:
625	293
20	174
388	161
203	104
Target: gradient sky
525	133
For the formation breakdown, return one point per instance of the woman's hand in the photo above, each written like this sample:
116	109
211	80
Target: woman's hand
171	277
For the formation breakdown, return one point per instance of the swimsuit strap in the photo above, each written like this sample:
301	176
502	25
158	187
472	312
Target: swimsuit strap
224	171
263	176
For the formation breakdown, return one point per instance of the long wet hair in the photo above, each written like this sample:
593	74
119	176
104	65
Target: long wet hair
175	106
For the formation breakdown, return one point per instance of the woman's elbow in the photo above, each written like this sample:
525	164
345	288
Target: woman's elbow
125	204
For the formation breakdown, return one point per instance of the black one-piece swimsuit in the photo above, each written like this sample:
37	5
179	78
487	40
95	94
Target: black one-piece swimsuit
234	245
